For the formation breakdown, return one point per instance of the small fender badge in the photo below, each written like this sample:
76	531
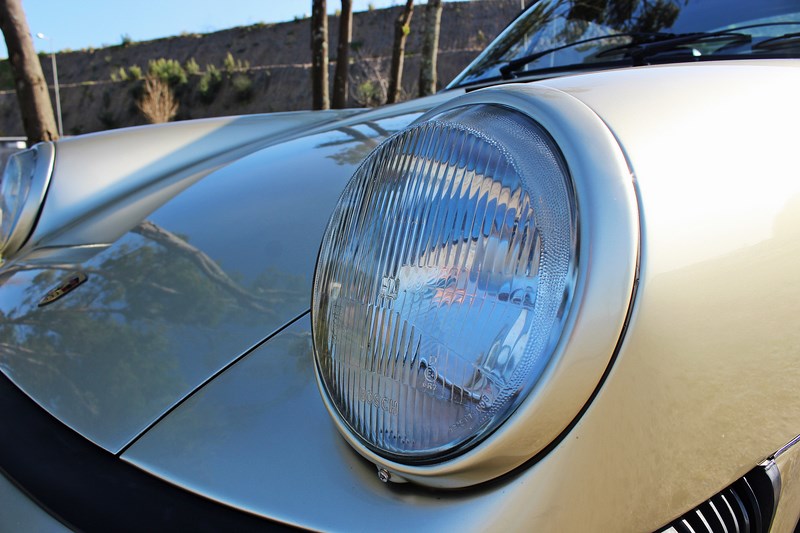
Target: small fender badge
68	285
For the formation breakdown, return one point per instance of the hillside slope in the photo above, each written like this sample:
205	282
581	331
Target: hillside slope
94	97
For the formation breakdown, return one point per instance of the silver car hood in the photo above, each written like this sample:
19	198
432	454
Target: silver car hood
192	259
259	439
257	436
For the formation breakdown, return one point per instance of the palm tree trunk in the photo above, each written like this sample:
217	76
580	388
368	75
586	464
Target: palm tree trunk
401	30
430	48
32	94
319	55
343	55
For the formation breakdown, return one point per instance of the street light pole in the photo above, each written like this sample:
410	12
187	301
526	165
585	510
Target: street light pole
55	82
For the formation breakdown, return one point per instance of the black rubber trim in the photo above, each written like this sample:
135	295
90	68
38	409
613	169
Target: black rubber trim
89	489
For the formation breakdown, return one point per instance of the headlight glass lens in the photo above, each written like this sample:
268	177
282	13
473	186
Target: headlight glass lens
443	282
14	190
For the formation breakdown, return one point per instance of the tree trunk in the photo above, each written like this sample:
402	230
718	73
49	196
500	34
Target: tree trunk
32	94
319	55
343	55
402	27
430	48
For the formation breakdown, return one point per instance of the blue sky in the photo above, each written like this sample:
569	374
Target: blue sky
76	24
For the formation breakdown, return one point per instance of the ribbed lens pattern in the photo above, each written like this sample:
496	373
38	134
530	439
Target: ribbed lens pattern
442	281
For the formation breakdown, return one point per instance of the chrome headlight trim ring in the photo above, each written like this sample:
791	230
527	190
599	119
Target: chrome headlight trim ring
444	280
608	243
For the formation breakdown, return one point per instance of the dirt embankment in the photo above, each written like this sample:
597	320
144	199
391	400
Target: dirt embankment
277	77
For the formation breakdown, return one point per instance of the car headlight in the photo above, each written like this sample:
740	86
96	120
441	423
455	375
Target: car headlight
446	285
22	189
443	281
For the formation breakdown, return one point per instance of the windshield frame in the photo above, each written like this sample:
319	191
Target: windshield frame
501	60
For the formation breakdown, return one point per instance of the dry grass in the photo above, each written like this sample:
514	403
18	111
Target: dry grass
158	103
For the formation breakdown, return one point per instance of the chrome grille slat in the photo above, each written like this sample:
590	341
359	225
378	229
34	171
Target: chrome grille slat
722	525
739	510
730	517
746	506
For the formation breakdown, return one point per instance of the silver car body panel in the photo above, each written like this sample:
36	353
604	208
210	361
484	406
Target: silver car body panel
181	294
707	335
787	515
156	163
259	438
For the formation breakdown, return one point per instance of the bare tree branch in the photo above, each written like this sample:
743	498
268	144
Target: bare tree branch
207	265
158	103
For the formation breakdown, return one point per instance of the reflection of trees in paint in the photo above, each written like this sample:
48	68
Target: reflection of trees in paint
156	316
551	24
357	145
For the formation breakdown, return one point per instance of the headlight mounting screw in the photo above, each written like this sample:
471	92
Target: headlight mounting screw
384	475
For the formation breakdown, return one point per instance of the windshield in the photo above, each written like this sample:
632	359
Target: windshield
553	37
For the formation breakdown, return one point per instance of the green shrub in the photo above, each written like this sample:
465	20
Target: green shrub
369	94
125	38
232	65
135	72
210	83
192	68
229	63
119	75
167	70
243	86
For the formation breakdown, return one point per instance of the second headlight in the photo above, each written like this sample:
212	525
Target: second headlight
22	190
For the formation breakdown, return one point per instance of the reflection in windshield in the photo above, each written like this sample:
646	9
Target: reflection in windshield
559	34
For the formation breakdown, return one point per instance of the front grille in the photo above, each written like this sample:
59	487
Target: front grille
747	506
